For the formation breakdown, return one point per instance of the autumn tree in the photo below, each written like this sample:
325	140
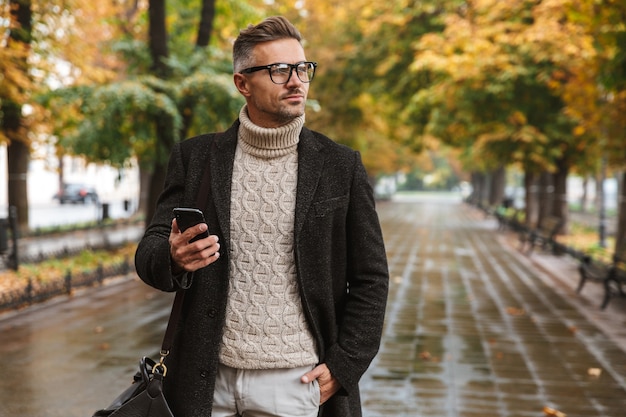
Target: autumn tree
174	85
607	21
36	46
364	81
14	94
499	66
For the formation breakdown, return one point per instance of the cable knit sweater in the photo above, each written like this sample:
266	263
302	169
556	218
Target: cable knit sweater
265	325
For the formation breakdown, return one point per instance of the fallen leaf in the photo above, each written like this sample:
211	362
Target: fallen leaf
514	311
551	412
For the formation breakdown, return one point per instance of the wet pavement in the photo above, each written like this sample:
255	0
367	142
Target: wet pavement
473	328
71	356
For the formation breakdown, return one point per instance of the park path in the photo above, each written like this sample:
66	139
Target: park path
473	328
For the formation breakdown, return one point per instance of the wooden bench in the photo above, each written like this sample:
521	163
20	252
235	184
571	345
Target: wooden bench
544	235
612	276
510	218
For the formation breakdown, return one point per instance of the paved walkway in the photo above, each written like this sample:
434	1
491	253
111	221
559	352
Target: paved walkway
474	328
39	247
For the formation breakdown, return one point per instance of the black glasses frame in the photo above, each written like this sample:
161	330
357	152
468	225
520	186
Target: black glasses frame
291	68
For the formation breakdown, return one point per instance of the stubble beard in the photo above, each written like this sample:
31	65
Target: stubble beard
288	113
280	113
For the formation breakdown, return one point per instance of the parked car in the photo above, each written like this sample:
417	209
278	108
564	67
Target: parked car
76	193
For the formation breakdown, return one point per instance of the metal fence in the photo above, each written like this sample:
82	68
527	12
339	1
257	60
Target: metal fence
36	291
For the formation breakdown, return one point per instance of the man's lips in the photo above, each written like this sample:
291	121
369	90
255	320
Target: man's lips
294	96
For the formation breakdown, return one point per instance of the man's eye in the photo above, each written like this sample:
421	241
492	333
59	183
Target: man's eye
282	70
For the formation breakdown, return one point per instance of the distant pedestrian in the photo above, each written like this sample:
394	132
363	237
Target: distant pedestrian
285	299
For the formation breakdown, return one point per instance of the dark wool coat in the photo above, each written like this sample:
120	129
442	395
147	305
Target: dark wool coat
339	253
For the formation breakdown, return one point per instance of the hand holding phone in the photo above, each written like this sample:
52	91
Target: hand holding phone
189	217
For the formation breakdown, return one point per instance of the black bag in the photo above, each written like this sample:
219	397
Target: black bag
144	398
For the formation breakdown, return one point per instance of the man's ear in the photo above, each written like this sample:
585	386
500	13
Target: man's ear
241	82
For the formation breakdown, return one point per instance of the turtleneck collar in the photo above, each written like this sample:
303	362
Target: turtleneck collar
265	142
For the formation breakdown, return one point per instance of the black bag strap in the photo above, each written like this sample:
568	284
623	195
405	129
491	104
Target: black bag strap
168	337
203	196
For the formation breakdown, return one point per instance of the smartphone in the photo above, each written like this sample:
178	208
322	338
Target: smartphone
188	217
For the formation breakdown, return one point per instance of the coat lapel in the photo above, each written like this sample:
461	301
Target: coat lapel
222	158
310	166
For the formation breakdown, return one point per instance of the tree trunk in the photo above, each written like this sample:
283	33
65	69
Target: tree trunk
13	123
478	187
145	176
620	237
159	51
560	207
531	198
61	158
546	190
18	155
205	29
157	179
498	184
206	23
157	34
164	145
599	182
584	196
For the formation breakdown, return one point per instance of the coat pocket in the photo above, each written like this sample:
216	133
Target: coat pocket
322	208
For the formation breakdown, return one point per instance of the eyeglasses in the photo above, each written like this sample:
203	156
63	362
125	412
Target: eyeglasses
281	73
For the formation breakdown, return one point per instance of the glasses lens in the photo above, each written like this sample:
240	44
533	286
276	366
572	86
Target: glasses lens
306	71
280	73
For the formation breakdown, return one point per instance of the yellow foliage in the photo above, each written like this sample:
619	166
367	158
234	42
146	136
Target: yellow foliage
579	130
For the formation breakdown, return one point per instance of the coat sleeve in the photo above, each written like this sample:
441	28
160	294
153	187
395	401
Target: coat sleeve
152	258
361	315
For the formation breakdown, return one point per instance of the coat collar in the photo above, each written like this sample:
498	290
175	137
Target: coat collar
311	159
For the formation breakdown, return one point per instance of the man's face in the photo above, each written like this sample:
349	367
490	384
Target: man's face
270	104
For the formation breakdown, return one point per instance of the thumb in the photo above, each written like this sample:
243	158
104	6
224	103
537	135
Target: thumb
311	375
175	228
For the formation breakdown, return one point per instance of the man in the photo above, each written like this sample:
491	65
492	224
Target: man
284	301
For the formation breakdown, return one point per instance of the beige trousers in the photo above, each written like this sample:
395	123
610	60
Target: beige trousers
264	393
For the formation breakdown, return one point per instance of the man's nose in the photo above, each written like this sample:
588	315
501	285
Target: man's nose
294	80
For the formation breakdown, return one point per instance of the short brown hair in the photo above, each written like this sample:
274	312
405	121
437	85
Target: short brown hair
271	29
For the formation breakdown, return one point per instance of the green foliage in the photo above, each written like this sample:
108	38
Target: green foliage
117	121
494	93
134	53
215	100
120	117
